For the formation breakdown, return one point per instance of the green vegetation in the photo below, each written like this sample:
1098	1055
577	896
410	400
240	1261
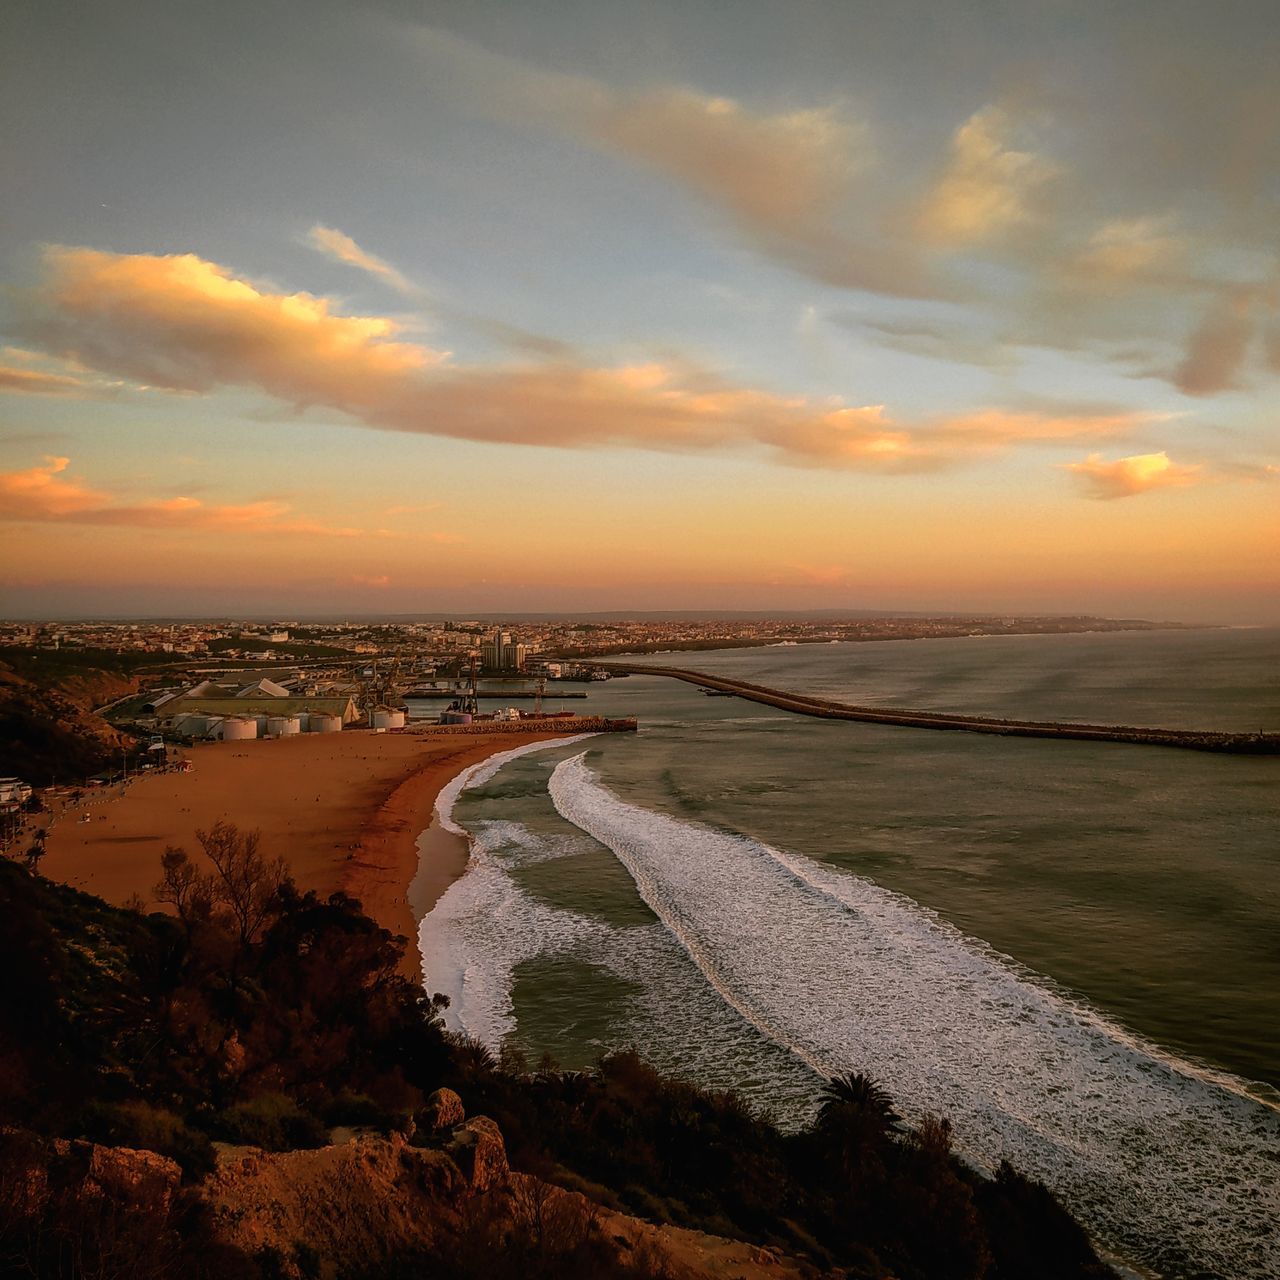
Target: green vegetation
260	1014
53	666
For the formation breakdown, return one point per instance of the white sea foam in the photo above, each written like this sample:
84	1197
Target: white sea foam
485	926
478	774
1169	1163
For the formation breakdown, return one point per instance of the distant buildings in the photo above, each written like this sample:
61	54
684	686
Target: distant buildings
503	653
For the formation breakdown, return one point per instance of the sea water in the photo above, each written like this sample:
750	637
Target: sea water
1069	949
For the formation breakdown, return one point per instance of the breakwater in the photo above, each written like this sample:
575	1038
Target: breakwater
547	724
801	704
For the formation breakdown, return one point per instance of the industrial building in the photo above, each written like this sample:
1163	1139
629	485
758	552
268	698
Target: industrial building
263	709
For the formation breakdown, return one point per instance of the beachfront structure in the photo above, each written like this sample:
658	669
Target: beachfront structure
13	791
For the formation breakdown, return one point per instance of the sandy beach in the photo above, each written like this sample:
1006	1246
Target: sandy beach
345	811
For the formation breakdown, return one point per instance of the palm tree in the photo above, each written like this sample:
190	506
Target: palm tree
855	1094
853	1125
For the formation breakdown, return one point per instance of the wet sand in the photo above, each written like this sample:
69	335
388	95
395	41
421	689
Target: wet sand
345	811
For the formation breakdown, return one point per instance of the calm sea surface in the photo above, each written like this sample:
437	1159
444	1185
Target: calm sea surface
1070	949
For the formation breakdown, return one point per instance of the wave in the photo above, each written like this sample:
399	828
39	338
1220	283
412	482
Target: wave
478	774
487	925
1173	1165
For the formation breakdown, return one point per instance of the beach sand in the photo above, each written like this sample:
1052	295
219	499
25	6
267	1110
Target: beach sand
344	810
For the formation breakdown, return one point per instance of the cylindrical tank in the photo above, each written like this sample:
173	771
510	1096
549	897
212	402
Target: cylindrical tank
386	718
323	722
283	726
455	717
239	729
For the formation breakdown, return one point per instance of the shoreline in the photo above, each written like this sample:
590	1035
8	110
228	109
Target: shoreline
346	812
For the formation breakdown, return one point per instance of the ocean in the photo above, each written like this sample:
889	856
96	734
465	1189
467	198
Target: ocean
1070	949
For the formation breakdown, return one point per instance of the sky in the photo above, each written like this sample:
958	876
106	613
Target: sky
312	308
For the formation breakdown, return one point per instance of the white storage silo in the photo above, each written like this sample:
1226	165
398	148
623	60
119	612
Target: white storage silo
239	729
386	718
323	722
283	726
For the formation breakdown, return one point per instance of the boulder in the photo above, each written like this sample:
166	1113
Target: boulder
442	1110
476	1147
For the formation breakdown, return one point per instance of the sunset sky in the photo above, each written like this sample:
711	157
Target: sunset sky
312	309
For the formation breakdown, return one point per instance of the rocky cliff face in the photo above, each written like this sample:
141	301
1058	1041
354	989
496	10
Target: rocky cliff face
367	1205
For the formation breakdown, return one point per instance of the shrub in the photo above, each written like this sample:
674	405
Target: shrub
272	1121
143	1126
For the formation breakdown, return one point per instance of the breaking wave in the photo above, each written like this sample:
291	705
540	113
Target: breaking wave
478	774
1172	1164
486	925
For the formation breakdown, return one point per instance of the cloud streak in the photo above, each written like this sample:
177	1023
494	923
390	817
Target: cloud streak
342	248
187	324
789	181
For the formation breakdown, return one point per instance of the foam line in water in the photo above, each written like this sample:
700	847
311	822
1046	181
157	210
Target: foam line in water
1165	1162
478	774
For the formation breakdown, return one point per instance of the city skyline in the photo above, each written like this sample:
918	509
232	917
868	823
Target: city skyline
408	309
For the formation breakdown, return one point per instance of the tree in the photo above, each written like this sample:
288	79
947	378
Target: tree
183	887
854	1124
859	1094
245	882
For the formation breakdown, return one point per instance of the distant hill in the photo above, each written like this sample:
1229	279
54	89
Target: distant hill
48	732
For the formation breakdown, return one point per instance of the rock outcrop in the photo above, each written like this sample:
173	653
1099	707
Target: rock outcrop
477	1148
442	1110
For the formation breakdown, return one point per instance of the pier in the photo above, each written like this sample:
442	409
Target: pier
801	704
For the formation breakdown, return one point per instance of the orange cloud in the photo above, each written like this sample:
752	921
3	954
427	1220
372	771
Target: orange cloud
44	493
986	189
1125	477
184	323
190	324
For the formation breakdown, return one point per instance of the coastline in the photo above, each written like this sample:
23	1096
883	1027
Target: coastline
344	811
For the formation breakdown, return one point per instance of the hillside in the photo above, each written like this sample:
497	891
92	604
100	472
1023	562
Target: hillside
48	732
201	1075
